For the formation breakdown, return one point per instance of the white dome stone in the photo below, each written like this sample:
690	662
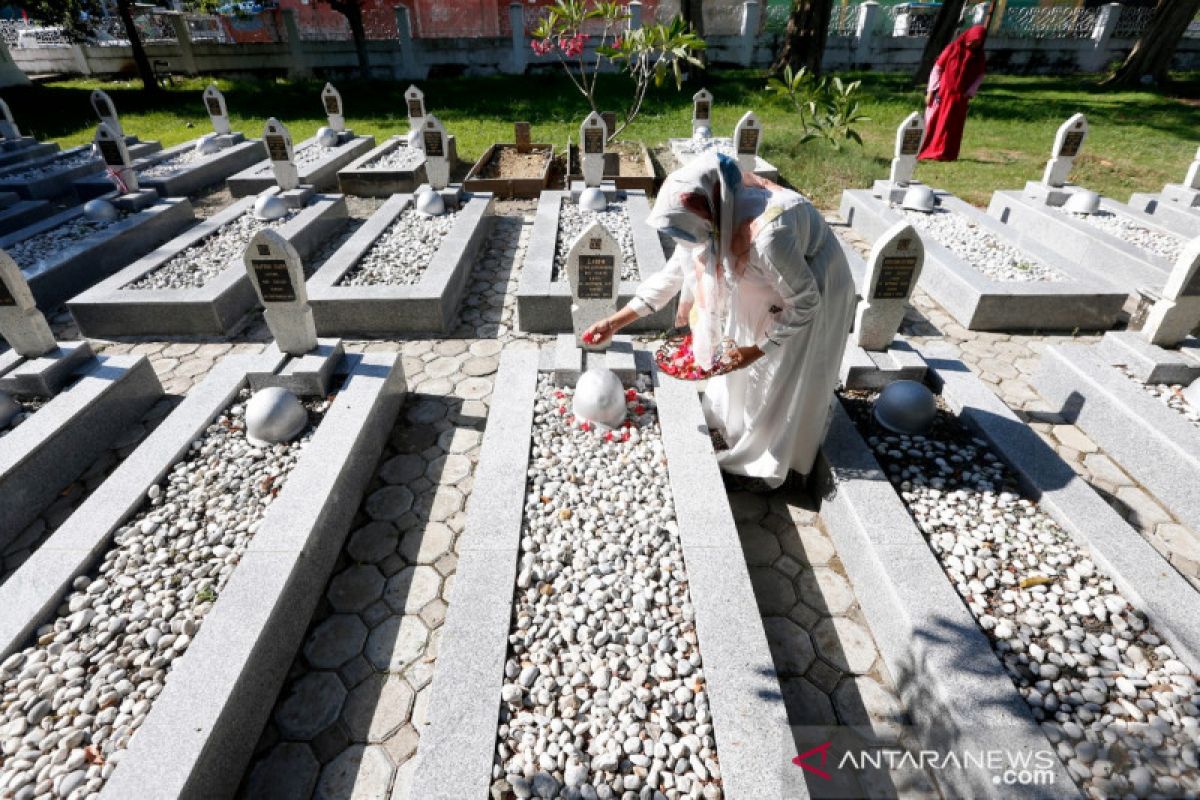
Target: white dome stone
430	203
207	145
906	407
1082	201
593	199
270	206
414	139
600	398
327	137
8	409
274	415
703	132
920	198
99	210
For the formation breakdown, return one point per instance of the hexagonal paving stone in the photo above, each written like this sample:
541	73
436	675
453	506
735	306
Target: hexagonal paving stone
825	590
791	648
809	545
806	704
844	643
374	541
396	643
442	367
389	503
759	545
449	469
460	440
772	590
402	468
473	388
355	588
426	545
485	348
411	589
446	502
478	367
289	771
377	708
872	710
335	641
747	506
359	773
313	704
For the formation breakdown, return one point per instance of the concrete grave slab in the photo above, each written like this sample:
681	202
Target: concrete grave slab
544	304
111	308
16	213
52	175
159	171
369	175
1082	299
1176	216
321	172
384	310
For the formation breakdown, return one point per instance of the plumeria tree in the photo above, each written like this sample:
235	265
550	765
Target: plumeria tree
648	54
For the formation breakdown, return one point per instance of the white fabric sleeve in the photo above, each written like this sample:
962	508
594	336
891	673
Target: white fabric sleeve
657	290
780	249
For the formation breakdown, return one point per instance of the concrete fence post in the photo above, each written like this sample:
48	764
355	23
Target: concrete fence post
79	55
298	63
1102	36
516	20
635	14
183	35
749	31
10	73
406	68
863	46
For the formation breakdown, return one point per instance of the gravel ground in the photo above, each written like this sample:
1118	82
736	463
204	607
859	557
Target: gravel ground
60	162
175	164
32	254
1171	394
308	154
399	158
206	259
74	698
402	252
1117	705
982	250
604	688
1160	244
28	406
572	221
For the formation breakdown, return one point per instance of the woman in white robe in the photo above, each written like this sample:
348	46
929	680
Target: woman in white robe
779	287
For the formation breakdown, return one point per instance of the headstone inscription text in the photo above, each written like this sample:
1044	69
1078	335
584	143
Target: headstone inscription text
747	143
214	106
596	276
895	277
277	147
1071	143
433	144
593	140
911	141
274	280
111	152
703	109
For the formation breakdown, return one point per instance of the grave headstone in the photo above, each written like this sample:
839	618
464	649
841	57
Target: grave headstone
594	266
283	156
331	99
909	136
214	104
8	126
1067	144
21	324
436	144
1192	179
278	278
1177	313
523	137
610	123
702	110
107	112
414	101
746	139
116	158
592	136
892	273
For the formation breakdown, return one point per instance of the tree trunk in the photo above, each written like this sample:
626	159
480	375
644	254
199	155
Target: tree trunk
1155	48
944	26
807	30
352	11
140	59
692	12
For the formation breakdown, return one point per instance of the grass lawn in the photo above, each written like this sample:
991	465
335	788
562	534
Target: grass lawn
1138	140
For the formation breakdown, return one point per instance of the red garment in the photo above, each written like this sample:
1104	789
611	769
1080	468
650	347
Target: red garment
961	67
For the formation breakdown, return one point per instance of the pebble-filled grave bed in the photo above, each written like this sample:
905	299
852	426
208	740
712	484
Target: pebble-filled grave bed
984	251
573	220
400	255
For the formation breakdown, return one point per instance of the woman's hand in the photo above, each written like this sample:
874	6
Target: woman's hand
603	331
743	357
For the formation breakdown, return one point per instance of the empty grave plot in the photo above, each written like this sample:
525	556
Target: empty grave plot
390	168
197	282
544	294
985	276
402	271
51	176
318	166
65	254
619	666
626	164
182	170
160	605
506	171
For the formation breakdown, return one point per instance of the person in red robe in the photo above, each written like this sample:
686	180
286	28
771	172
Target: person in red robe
954	80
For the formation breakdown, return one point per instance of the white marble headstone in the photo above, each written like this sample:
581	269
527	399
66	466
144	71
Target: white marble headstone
909	136
106	111
436	145
278	277
1067	144
1177	313
214	104
746	138
116	158
331	99
1192	179
594	266
282	154
592	135
21	324
8	126
892	273
414	101
702	110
